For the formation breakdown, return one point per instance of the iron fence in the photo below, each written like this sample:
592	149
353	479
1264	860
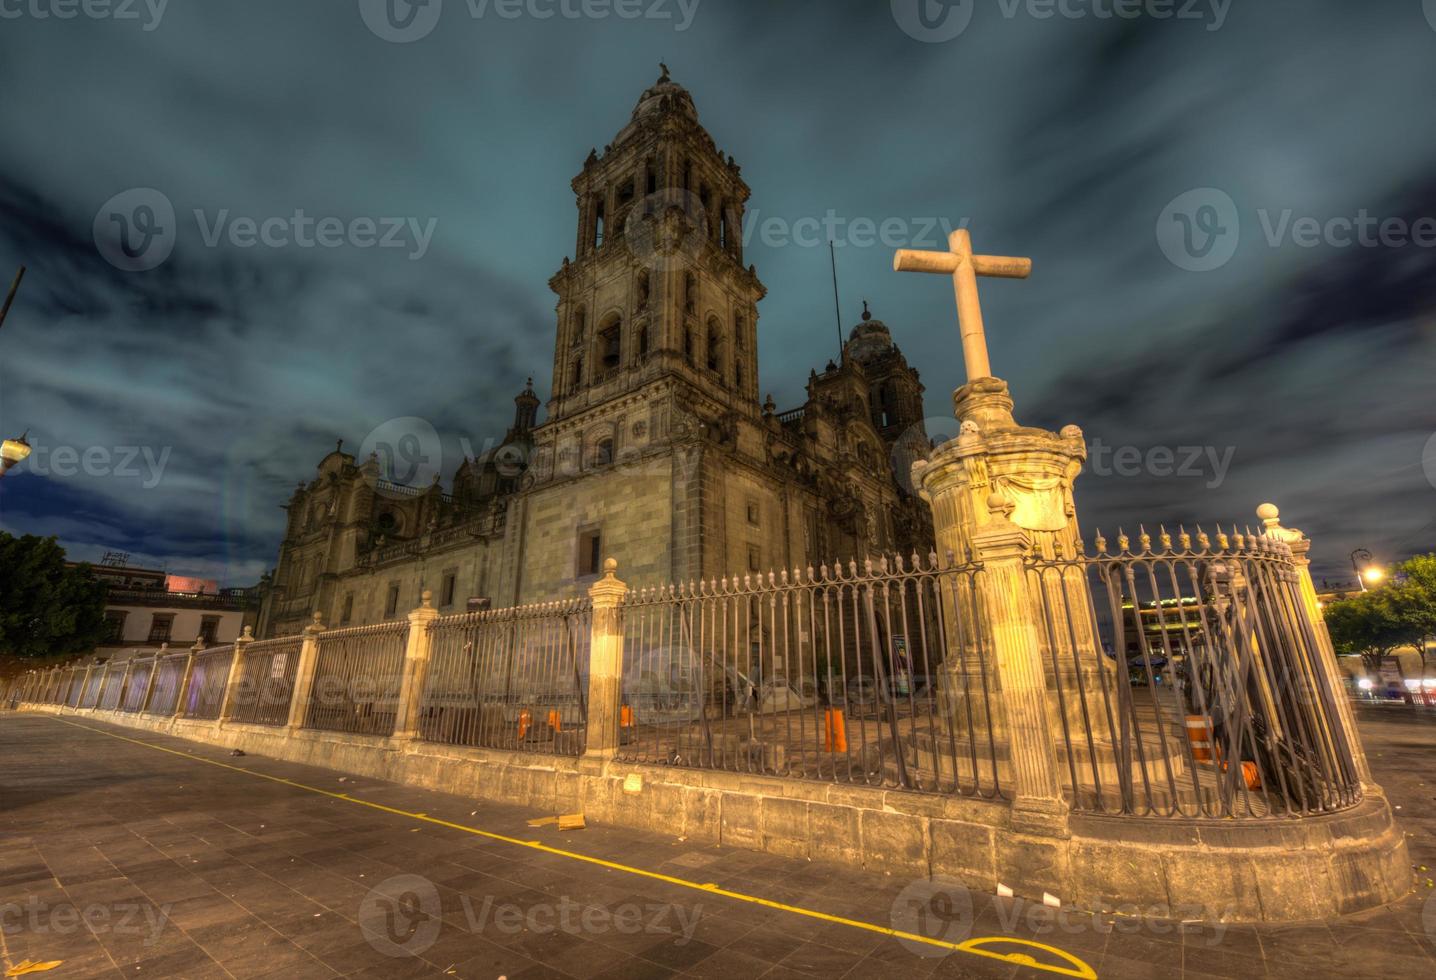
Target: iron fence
77	686
209	673
510	678
91	696
165	686
873	675
357	675
137	687
1185	682
114	685
266	683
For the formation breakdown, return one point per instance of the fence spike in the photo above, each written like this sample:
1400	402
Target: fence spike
1099	543
1222	543
1123	544
1144	538
1184	537
1166	538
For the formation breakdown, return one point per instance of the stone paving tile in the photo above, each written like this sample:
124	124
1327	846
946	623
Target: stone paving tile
255	878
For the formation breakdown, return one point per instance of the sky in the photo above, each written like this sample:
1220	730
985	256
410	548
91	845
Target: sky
1231	211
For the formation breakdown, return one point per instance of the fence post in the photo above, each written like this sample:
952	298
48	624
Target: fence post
154	670
1002	548
304	674
185	677
1300	545
236	674
605	657
416	668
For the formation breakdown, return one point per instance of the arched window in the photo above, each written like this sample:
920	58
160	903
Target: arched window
641	294
688	346
643	341
580	324
576	377
610	344
690	292
740	331
603	452
715	345
598	223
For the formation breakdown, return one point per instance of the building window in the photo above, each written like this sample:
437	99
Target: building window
642	341
115	626
348	612
577	377
590	550
755	559
753	512
209	630
446	591
715	344
598	224
610	345
690	292
160	627
603	453
391	604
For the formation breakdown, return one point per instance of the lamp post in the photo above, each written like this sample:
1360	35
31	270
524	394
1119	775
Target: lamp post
1370	571
12	451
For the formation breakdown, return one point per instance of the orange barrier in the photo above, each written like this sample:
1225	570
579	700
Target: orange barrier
554	721
837	734
526	719
1199	734
625	717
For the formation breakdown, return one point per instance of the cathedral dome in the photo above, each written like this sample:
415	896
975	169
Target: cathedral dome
869	337
665	95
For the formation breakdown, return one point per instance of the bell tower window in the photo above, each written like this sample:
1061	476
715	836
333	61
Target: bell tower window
610	345
715	345
598	224
576	377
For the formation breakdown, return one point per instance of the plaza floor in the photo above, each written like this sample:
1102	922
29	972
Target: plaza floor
125	853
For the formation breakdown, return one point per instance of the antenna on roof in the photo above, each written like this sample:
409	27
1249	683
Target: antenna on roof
837	307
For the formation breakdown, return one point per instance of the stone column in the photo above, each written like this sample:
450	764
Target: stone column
1003	548
1033	471
416	668
605	657
236	675
304	674
1300	545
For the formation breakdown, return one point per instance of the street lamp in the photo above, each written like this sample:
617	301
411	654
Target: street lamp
1370	573
12	451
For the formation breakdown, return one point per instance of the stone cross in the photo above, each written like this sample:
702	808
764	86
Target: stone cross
964	267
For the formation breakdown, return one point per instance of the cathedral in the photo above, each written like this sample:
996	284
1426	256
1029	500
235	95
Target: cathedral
655	449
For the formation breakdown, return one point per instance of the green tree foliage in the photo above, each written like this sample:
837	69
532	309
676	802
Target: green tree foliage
47	608
1400	613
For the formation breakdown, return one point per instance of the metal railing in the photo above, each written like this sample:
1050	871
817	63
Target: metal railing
510	678
168	672
91	696
266	682
836	674
1205	698
138	685
114	683
357	675
209	673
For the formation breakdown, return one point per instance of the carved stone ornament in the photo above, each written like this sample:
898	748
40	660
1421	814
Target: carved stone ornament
1039	504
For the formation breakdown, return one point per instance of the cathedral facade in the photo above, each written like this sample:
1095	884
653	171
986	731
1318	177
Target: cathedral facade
655	449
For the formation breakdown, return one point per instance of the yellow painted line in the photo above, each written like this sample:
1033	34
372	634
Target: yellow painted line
1075	968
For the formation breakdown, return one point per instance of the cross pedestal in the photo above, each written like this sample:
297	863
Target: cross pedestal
999	481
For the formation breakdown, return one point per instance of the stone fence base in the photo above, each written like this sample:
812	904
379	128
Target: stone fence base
1231	871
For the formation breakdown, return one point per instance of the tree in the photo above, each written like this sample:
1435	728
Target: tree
47	608
1367	625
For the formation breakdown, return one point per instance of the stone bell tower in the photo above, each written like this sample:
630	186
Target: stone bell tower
657	285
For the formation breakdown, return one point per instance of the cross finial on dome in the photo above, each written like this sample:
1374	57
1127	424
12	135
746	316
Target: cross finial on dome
867	315
664	69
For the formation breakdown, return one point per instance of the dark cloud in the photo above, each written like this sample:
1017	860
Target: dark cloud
1059	139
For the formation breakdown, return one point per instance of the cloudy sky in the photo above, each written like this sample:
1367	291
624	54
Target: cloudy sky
1229	210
